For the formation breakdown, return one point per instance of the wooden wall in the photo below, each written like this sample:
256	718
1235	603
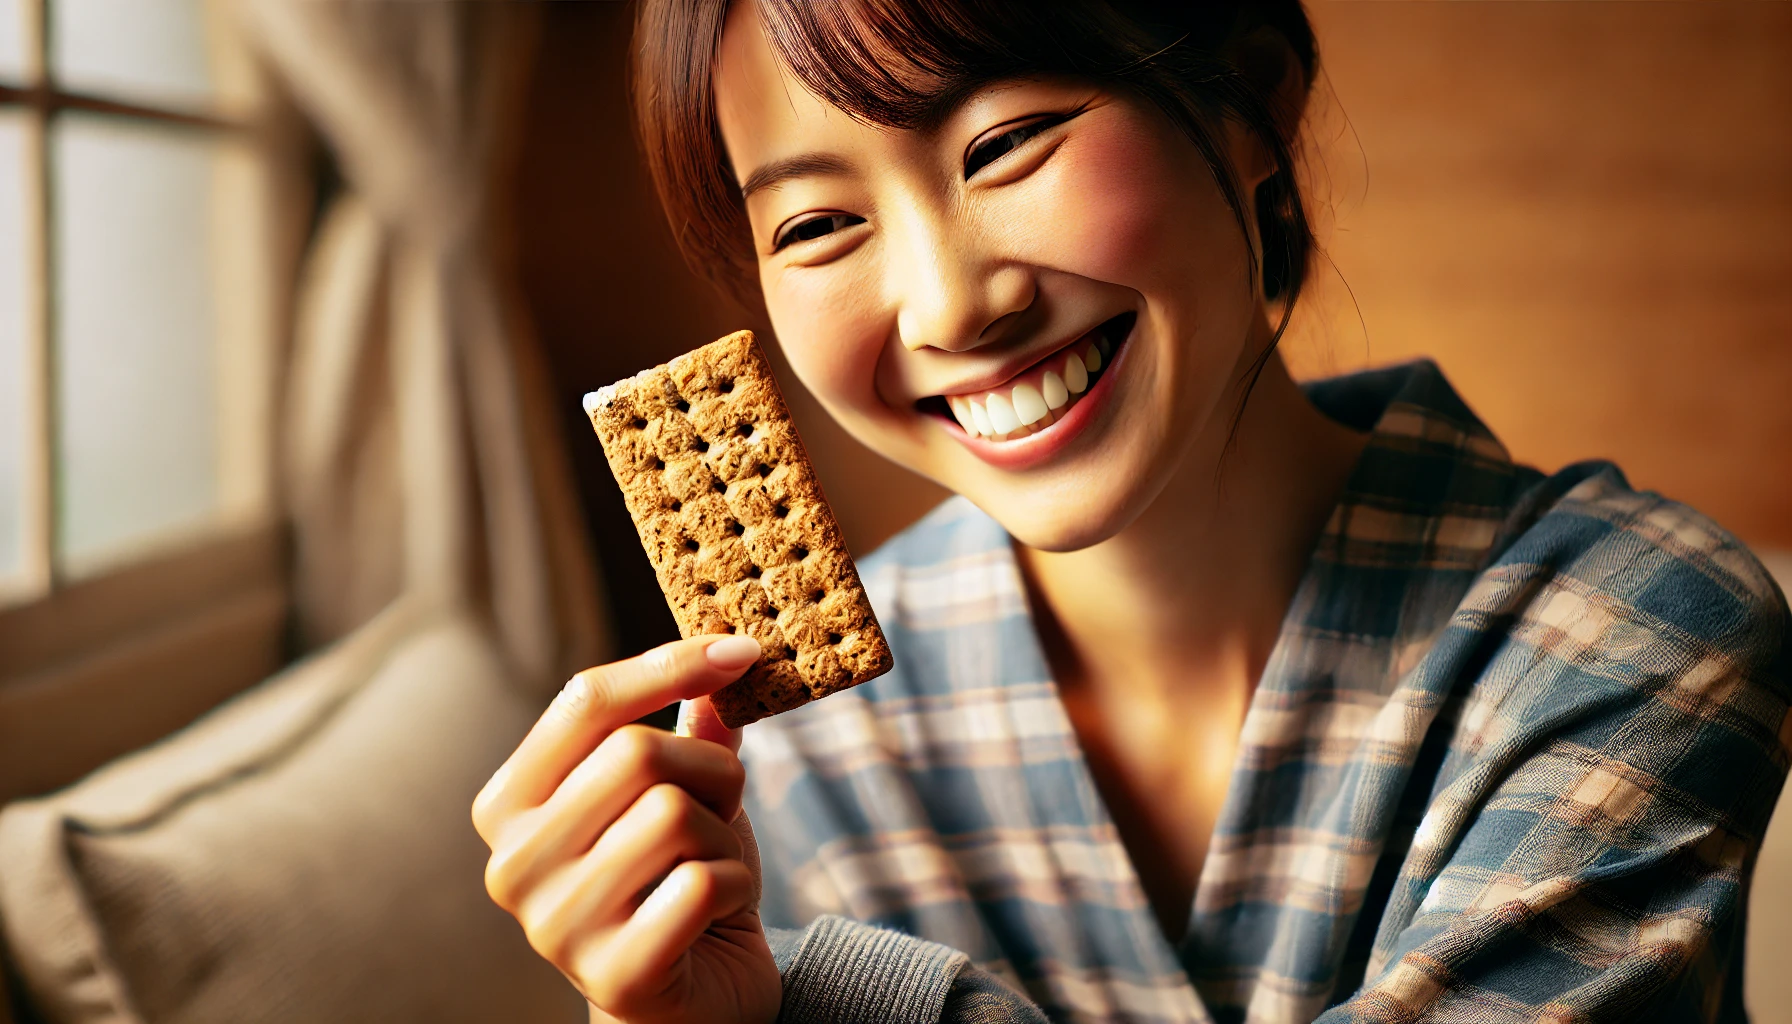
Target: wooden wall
1583	211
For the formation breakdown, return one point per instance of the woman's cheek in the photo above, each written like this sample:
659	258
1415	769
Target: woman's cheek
1097	207
827	326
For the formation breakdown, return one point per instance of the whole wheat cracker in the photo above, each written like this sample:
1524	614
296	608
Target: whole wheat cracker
735	524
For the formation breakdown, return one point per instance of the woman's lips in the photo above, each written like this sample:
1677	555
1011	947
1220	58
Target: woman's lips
1029	444
1044	394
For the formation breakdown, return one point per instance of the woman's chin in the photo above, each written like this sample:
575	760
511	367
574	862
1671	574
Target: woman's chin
1061	522
1063	508
1086	499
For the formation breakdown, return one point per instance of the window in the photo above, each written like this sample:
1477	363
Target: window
140	269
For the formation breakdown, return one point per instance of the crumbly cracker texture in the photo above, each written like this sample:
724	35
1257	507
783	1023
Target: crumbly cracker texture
736	527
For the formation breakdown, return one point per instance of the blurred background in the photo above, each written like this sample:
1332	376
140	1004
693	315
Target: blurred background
301	522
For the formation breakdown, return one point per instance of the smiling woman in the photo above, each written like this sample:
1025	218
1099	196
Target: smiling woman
1216	697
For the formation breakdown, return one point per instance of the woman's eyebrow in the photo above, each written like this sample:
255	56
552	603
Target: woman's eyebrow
779	171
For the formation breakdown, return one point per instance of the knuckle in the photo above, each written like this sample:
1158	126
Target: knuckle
669	806
552	931
489	806
486	819
699	880
662	662
582	694
548	941
481	819
636	750
556	949
501	882
508	869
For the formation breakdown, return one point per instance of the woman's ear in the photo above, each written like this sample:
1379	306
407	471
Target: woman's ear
1269	63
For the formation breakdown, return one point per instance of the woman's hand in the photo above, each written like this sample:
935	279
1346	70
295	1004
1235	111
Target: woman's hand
623	850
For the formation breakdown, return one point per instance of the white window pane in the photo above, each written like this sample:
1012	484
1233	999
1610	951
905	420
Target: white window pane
135	333
141	50
13	306
12	41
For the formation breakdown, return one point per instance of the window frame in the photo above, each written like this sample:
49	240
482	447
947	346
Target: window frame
114	654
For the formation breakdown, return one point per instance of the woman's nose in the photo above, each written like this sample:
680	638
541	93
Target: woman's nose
954	297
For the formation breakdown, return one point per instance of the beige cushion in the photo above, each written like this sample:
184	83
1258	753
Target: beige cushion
1768	990
1768	983
302	854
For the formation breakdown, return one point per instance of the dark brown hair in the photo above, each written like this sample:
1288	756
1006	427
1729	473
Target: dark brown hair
907	63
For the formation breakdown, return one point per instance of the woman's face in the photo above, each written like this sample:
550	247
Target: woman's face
1043	304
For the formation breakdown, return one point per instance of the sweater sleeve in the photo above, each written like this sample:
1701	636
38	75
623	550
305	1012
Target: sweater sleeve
838	971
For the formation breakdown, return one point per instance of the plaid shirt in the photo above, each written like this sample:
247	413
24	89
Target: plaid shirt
1511	759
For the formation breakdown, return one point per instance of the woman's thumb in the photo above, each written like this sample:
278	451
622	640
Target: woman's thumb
697	718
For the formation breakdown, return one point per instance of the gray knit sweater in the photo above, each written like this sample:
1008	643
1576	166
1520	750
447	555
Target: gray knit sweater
838	971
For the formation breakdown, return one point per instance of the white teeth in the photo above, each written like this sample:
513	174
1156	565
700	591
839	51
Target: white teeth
1028	406
980	419
961	411
1075	377
1001	415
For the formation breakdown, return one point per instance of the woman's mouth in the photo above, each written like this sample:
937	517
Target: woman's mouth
1043	394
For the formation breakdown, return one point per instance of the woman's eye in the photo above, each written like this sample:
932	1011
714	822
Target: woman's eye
983	154
815	227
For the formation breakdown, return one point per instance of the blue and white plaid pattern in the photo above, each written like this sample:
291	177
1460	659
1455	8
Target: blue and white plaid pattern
1510	760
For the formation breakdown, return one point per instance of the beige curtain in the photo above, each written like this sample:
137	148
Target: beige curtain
421	461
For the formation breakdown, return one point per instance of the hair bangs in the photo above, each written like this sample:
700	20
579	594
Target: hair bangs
904	64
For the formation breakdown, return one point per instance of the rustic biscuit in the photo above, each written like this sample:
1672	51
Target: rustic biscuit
735	524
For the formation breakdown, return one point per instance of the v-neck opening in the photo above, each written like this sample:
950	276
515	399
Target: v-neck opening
1142	918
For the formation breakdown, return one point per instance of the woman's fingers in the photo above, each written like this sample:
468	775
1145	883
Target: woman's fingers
591	816
642	953
598	790
595	703
599	891
632	760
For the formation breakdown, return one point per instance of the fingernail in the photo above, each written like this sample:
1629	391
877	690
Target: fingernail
732	652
